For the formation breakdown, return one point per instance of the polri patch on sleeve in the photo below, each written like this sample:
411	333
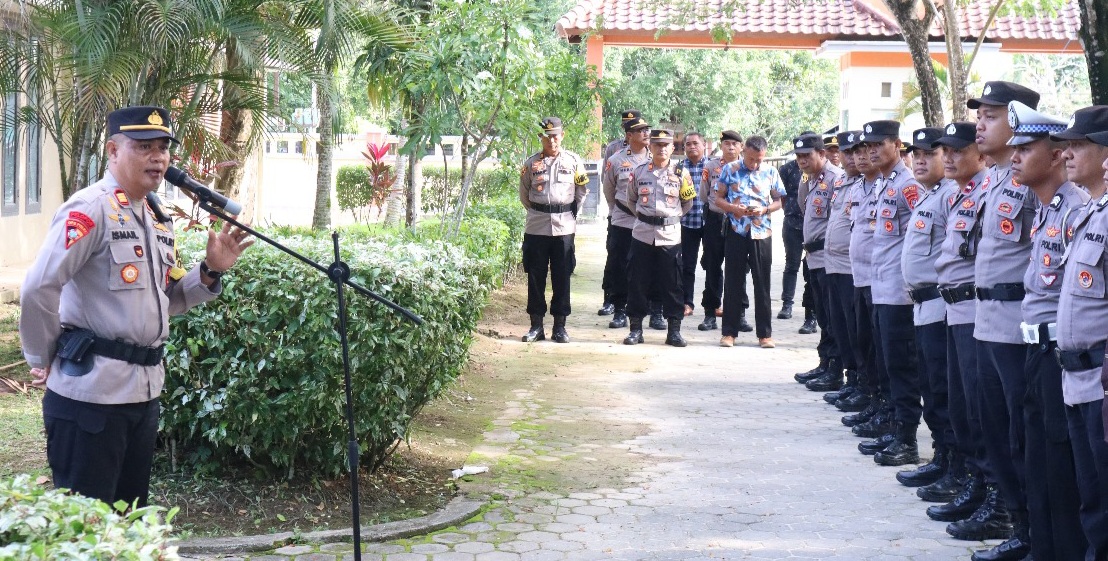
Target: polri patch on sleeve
77	226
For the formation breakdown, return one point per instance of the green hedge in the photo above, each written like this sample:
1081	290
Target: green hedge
47	524
256	375
440	191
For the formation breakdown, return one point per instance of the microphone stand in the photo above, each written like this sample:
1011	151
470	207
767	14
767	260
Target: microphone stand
339	273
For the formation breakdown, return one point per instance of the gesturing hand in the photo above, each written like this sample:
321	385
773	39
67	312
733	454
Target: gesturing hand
225	247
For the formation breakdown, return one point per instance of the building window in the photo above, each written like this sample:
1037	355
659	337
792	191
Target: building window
448	150
33	202
9	154
886	89
282	147
299	147
429	150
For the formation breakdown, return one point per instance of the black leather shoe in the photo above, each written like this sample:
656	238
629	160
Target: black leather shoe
535	334
864	415
809	327
674	339
841	393
926	474
880	424
946	489
607	309
989	522
901	452
858	401
829	381
709	323
805	377
786	312
964	505
657	321
871	447
1014	549
633	338
559	335
619	321
744	326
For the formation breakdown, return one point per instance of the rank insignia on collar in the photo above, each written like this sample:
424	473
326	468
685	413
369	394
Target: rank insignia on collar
985	184
121	197
1056	201
1015	183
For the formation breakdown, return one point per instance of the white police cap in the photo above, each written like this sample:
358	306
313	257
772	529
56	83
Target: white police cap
1029	125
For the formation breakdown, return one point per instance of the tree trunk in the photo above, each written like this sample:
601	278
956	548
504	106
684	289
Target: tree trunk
914	28
321	217
411	191
1094	34
235	132
396	198
957	62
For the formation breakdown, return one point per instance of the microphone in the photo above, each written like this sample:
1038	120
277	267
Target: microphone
205	194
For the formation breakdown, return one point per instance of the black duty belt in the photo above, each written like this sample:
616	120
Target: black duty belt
659	220
924	294
1081	360
75	342
959	293
814	246
1006	292
552	209
623	207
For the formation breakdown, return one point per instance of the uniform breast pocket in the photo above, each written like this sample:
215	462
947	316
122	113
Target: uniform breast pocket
888	226
1007	221
1088	272
130	269
923	228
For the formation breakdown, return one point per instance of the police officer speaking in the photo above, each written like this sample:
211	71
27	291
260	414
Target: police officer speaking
95	313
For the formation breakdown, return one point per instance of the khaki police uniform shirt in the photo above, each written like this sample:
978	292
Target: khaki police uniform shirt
709	183
897	195
657	192
815	198
552	180
105	266
1002	253
922	245
613	147
616	182
953	268
1051	233
1082	313
837	249
863	217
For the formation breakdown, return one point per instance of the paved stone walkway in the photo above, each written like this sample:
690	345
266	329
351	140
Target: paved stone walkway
739	462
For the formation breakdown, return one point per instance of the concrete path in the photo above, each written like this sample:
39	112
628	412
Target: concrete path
737	462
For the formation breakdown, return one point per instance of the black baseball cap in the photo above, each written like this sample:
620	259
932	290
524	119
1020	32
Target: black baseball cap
924	139
1002	93
141	122
807	143
876	131
958	134
1084	121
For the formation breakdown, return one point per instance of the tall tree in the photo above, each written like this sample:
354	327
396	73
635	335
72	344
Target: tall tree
1094	36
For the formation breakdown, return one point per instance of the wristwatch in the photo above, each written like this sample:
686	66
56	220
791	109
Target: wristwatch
204	270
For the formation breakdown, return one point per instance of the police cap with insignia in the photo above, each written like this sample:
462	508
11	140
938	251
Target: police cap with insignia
661	136
958	135
807	143
876	131
630	115
1029	125
1003	93
848	139
551	126
143	122
924	139
638	123
1083	122
831	142
730	135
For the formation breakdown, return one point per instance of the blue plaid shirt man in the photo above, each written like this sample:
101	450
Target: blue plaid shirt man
695	217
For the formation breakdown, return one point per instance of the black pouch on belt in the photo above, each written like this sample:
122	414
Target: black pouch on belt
73	348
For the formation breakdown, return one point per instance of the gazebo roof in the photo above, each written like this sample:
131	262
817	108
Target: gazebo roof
792	24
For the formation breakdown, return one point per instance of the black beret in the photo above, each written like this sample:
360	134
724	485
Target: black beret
730	135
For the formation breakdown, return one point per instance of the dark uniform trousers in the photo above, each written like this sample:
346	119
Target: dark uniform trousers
614	284
931	358
101	451
964	398
1090	459
1052	501
743	255
896	348
1003	387
690	250
714	239
843	322
655	273
870	380
794	251
553	255
828	348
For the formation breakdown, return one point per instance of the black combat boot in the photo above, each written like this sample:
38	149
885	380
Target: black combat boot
948	486
928	473
560	335
536	333
619	320
809	326
881	423
786	311
635	337
830	380
964	505
844	392
989	522
903	449
868	412
674	338
744	326
871	447
805	377
1014	549
709	322
607	308
657	321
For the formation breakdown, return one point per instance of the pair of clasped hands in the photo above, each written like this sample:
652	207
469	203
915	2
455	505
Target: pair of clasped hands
752	211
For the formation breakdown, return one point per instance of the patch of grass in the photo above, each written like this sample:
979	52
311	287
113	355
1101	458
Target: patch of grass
23	446
10	352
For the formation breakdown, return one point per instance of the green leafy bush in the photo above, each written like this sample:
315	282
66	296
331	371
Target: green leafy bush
257	373
47	524
353	190
440	191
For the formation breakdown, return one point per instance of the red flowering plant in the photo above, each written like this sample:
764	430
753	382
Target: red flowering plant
382	176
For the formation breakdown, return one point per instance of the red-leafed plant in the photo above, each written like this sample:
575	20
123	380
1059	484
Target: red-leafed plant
382	176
